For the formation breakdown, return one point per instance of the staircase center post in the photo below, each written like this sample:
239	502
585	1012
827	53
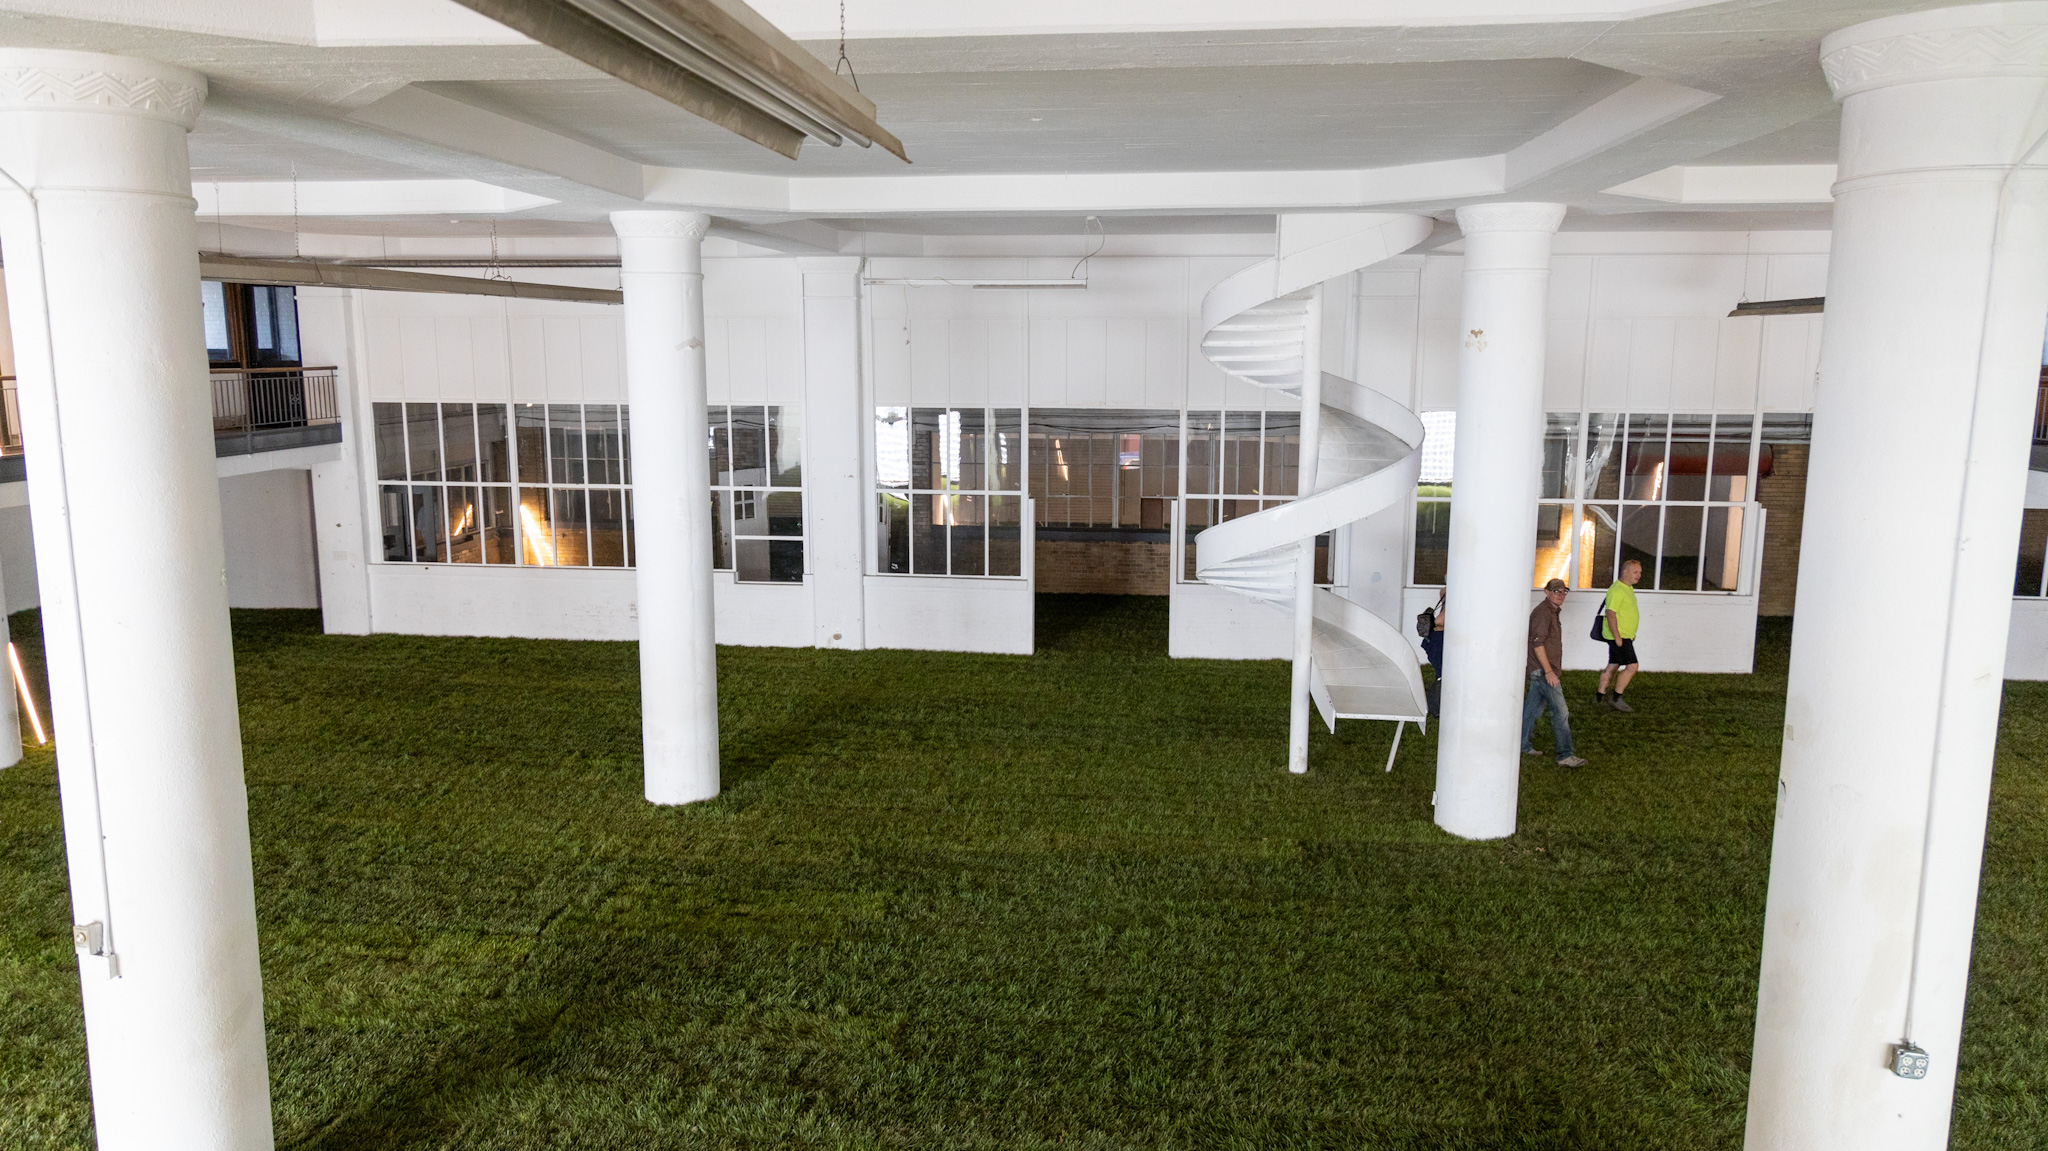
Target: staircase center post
1305	568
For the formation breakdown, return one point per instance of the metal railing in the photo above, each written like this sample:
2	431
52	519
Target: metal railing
261	409
254	410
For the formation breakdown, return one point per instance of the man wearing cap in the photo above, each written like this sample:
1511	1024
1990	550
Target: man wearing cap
1546	660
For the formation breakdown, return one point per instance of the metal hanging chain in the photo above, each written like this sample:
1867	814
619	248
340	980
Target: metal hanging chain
850	74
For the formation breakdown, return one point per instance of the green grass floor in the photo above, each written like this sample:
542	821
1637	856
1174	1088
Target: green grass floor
958	901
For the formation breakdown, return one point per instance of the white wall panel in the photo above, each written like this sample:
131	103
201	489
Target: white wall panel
938	614
1564	363
1009	361
562	355
529	355
2026	647
1796	276
490	354
1124	364
386	358
1047	381
1087	383
1667	285
1607	367
967	363
267	533
1652	344
1694	362
602	372
1791	345
454	371
1735	364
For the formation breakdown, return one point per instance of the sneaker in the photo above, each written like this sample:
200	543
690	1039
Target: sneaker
1530	751
1620	704
1600	699
1571	761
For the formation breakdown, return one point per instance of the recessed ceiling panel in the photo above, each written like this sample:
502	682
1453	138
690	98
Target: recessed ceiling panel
1113	120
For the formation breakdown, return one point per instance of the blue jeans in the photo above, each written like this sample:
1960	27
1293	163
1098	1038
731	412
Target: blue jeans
1541	698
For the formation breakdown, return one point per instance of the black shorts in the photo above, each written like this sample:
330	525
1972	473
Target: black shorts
1621	654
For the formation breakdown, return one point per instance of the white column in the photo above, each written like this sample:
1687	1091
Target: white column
662	272
1937	289
1495	475
838	508
1298	702
96	218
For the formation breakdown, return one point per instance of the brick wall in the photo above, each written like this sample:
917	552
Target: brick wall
1104	567
1783	494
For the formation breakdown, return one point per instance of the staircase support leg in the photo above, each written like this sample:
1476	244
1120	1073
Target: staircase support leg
1305	567
1395	750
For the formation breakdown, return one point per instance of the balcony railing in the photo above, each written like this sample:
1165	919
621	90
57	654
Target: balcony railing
265	409
254	410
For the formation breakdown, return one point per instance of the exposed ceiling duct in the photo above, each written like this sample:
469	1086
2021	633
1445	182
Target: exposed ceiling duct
718	59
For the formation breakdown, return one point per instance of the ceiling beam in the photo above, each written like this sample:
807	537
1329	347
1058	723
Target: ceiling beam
311	273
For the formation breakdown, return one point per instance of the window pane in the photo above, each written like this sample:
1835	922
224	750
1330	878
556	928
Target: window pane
458	436
965	466
632	543
1005	535
892	533
1730	477
1553	543
465	526
1721	557
927	427
1686	468
785	513
498	535
531	428
927	535
1006	450
785	447
429	541
1205	451
1638	541
1432	540
769	561
892	447
602	448
967	535
1680	570
423	439
749	513
721	531
719	421
626	449
1601	477
494	453
572	528
1283	452
390	434
607	528
396	513
1643	469
1323	556
565	443
1560	454
1439	448
536	527
2033	551
749	433
213	313
1597	534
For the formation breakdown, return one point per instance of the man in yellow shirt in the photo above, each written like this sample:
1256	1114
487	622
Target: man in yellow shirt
1619	630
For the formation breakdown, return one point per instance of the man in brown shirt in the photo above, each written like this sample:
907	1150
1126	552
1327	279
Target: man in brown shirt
1546	660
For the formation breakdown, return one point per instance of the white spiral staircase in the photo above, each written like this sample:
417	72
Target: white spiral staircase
1263	326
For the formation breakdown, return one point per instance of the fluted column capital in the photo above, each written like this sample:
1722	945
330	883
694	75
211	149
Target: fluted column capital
59	79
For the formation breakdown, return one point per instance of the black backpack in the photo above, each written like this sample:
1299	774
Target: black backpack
1599	618
1426	621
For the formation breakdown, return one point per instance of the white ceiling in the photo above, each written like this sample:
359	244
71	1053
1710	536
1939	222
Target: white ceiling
1377	95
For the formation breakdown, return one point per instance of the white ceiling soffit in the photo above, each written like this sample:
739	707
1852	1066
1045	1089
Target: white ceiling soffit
1735	184
319	23
878	19
1642	106
360	198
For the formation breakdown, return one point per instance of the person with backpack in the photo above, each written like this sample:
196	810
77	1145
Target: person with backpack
1429	626
1616	627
